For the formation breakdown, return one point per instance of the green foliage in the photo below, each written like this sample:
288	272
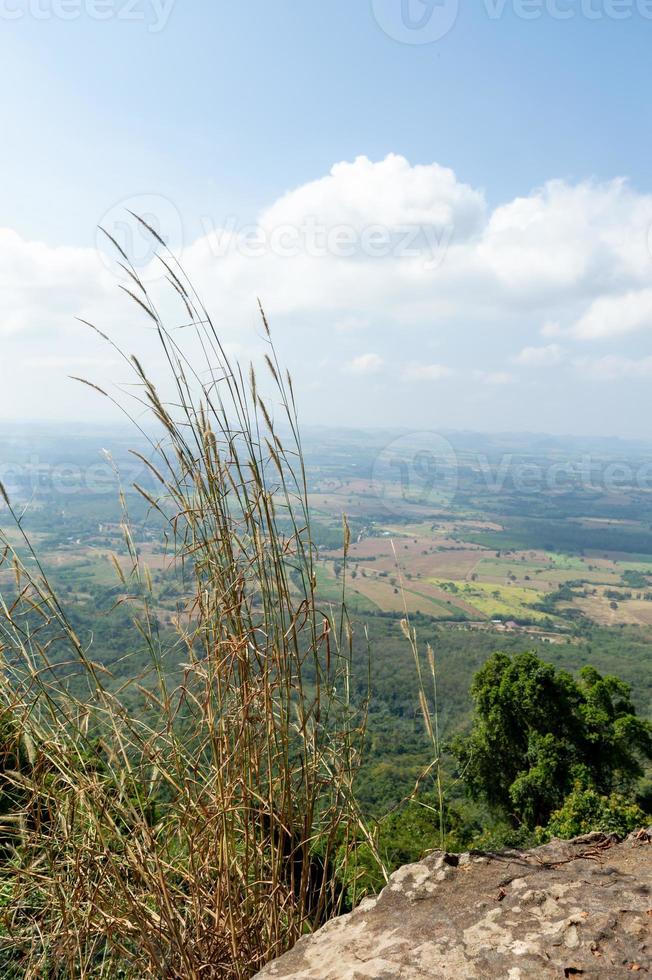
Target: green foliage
585	810
635	579
537	733
500	835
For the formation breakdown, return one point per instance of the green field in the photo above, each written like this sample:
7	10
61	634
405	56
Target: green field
497	601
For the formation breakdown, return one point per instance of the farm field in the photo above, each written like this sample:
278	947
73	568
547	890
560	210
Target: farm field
435	568
496	601
485	555
598	609
470	560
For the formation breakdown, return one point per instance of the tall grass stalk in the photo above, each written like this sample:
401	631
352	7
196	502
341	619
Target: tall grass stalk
194	821
429	709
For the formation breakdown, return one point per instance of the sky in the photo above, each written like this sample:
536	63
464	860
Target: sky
445	206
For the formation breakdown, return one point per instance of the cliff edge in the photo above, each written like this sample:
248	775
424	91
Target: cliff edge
580	908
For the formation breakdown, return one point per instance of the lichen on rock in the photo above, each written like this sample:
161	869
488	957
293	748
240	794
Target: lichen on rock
580	908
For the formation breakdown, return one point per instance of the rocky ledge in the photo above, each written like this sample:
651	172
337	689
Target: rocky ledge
580	908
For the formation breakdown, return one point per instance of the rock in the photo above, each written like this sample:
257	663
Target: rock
580	908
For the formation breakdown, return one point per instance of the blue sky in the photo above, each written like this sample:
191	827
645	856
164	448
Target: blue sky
219	109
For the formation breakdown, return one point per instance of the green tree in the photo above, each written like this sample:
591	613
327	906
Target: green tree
538	733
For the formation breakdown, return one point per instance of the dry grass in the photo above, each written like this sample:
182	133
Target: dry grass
203	834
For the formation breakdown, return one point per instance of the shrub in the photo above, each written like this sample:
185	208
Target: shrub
585	810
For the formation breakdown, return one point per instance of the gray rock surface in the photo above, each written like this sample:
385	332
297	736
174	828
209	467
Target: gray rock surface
579	908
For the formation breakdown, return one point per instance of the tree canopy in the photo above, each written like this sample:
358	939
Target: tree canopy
538	735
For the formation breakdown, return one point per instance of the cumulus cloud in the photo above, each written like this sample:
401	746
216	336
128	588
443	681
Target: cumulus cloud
385	239
610	316
388	240
42	287
364	364
388	194
410	252
535	357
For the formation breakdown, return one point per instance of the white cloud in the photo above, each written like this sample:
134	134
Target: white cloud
571	256
546	257
535	357
43	287
388	193
569	241
426	372
611	316
554	254
364	364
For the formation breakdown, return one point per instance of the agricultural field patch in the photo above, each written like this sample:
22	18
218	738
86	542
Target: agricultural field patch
497	601
329	589
599	609
392	598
